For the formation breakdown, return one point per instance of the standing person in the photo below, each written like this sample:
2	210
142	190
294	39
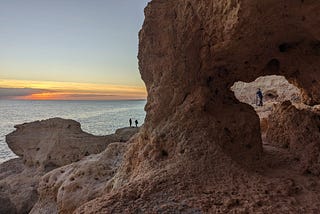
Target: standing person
130	122
259	97
136	122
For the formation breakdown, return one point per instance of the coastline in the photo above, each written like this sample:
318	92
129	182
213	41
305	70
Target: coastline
98	118
58	144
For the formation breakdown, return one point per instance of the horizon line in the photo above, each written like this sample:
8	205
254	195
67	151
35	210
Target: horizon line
74	100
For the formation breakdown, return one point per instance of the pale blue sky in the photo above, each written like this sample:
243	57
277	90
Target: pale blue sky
91	41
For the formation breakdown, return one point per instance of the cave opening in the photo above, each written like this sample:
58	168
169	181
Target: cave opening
275	89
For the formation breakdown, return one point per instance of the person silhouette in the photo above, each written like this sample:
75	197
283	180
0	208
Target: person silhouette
136	122
130	122
259	97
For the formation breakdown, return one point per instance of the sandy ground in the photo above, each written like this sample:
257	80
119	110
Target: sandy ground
280	163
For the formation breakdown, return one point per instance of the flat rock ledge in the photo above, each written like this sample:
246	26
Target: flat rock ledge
57	150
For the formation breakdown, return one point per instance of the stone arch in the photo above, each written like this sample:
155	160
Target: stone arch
276	89
195	58
196	132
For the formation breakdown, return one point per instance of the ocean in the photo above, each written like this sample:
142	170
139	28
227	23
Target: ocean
96	117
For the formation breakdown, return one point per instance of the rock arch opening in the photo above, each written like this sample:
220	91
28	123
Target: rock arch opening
288	127
275	89
190	54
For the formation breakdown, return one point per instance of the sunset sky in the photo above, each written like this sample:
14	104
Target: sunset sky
70	50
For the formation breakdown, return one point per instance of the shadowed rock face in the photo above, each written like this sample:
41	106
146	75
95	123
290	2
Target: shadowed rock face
198	141
299	131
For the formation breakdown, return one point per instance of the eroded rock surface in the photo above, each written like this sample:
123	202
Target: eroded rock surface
199	146
66	188
18	186
299	131
57	142
276	89
47	145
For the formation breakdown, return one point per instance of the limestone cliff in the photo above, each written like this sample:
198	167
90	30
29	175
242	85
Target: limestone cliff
200	149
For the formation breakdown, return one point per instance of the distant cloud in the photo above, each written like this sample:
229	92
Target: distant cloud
8	93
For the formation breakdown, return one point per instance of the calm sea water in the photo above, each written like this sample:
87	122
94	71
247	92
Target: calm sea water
96	117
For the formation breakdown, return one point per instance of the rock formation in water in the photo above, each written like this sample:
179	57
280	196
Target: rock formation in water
55	142
47	145
200	149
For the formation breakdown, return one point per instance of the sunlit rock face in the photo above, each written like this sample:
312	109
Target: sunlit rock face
64	189
78	164
199	142
57	142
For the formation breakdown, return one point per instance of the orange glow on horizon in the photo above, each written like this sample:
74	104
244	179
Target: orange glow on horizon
74	91
42	96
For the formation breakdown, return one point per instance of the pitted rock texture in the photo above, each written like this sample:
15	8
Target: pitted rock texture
66	188
18	187
199	147
57	142
46	145
299	131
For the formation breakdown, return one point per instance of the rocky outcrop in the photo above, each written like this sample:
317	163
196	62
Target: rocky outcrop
299	131
199	146
200	149
47	145
18	185
57	142
66	188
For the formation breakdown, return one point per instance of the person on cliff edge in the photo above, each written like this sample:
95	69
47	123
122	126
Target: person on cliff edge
130	122
259	97
136	122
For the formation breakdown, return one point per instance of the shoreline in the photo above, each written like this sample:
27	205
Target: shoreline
58	143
